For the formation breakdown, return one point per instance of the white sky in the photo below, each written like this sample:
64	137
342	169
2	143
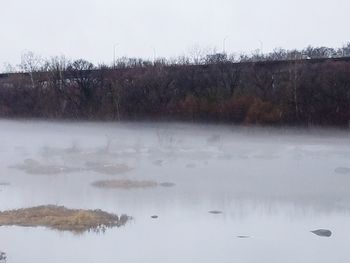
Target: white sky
90	28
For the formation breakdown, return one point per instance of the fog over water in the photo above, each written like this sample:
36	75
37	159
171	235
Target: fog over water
267	189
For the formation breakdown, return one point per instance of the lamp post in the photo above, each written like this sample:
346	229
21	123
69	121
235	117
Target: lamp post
114	54
224	44
261	47
154	53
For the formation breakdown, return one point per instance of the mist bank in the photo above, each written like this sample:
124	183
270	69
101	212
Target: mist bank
275	90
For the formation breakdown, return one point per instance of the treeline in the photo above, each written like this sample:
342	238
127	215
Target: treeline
307	87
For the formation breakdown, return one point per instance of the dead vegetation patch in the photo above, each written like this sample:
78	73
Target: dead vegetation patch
123	184
106	168
31	166
62	218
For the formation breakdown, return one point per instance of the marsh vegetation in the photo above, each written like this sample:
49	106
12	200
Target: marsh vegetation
61	218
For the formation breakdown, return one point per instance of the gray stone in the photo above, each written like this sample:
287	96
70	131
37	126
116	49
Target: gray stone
215	212
322	232
2	257
167	184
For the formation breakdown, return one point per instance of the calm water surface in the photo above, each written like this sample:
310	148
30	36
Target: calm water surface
272	186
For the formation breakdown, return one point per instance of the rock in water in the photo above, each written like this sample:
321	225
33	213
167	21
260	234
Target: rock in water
322	232
2	257
215	212
154	217
167	184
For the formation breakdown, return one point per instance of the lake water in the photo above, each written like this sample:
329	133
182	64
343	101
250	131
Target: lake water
272	186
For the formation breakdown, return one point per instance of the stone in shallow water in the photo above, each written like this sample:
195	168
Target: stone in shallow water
342	170
215	212
2	257
154	217
322	232
167	184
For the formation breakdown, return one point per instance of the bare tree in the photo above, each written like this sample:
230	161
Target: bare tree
9	68
31	64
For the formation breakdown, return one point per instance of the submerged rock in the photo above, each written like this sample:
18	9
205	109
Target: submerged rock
167	184
2	257
154	217
322	232
215	212
342	170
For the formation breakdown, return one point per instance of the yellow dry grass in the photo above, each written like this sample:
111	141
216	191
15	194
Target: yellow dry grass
123	184
61	218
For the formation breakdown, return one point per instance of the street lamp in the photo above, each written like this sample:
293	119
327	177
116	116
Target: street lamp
261	47
154	53
114	54
224	44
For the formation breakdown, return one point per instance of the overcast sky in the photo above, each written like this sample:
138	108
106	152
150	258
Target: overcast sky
90	28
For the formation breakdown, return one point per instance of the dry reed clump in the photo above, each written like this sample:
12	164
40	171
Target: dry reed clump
34	167
106	168
61	218
123	184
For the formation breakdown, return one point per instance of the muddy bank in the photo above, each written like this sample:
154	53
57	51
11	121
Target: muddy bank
63	219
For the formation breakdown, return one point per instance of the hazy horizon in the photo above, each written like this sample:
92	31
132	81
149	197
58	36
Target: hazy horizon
90	29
